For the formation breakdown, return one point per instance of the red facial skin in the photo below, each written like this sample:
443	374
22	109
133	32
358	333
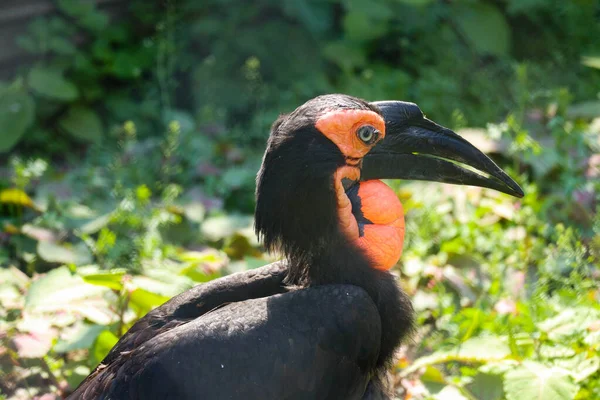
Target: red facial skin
382	240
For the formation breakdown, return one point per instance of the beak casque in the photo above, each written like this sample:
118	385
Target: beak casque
417	148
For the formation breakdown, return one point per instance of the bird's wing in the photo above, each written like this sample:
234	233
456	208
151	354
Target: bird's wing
315	343
199	300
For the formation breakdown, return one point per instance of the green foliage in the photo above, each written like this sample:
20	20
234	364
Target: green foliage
134	152
230	61
16	115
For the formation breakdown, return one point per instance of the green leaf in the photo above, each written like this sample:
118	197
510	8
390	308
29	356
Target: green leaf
487	387
236	177
345	54
110	279
433	379
145	300
217	228
194	211
62	254
484	27
50	83
360	28
579	367
568	323
586	109
82	123
418	3
202	266
16	197
96	224
62	292
162	282
105	341
82	338
535	381
17	111
62	46
86	12
477	349
593	62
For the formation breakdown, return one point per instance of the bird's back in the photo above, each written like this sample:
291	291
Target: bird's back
311	343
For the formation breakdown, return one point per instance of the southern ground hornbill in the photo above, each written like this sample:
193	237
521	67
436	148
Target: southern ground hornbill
324	322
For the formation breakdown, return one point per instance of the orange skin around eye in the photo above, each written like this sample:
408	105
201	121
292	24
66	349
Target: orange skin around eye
340	127
382	239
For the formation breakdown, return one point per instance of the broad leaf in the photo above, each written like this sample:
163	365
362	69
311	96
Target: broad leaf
534	381
105	341
81	337
50	83
477	349
16	197
17	111
484	26
586	109
110	279
62	254
59	291
486	387
82	123
593	62
33	345
217	228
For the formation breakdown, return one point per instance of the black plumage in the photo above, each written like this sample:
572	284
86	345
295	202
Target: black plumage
320	324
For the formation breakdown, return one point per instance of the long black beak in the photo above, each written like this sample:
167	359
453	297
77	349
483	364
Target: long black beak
417	148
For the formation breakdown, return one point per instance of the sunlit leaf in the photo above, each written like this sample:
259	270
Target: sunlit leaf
162	282
145	300
61	291
110	279
579	367
449	393
63	254
535	381
39	234
105	341
96	224
33	345
217	228
474	350
80	338
568	322
16	197
593	62
487	387
587	109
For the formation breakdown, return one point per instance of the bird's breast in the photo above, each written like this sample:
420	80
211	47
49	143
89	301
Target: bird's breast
371	216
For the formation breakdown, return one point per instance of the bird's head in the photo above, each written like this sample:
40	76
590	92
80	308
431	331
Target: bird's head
318	185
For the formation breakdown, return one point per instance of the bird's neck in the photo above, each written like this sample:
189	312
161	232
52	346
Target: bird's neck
345	263
370	216
360	252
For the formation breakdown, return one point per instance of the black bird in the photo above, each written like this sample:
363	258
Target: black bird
322	323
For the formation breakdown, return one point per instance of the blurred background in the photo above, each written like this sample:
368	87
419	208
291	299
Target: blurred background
131	133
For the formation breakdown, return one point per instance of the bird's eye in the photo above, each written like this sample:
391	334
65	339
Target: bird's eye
367	134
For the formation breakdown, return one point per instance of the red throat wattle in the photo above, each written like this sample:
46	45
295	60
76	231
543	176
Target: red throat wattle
376	225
